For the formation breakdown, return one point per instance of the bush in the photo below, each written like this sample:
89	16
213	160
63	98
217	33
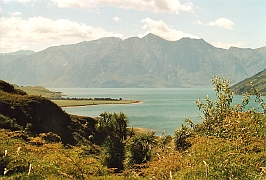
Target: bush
22	160
180	138
114	128
139	149
228	144
214	112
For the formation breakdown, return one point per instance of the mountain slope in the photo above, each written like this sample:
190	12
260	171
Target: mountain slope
135	62
258	81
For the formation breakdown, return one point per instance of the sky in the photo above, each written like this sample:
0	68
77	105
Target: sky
38	24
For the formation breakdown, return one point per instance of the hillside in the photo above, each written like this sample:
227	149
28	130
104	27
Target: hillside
134	62
39	91
258	81
34	114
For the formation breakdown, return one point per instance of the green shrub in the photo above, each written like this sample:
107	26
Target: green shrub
114	128
163	141
228	144
180	138
139	149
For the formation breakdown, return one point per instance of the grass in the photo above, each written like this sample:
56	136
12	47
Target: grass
38	91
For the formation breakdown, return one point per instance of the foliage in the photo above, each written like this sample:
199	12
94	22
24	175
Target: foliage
21	160
8	123
139	149
180	138
163	141
214	112
35	114
113	125
258	83
218	158
229	143
114	128
258	98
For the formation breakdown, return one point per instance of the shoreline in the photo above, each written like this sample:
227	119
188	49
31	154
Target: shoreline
140	129
78	103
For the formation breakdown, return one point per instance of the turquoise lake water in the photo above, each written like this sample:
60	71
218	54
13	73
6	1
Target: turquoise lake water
161	109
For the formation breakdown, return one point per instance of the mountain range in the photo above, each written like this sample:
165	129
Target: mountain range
150	61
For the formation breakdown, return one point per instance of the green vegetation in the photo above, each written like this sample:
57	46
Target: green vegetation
230	143
139	149
39	91
114	129
257	81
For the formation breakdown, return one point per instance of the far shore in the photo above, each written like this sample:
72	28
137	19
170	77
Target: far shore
59	99
90	102
140	130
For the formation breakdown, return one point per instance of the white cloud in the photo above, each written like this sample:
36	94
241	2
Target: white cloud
158	6
197	22
20	1
116	19
16	14
223	23
163	30
1	10
23	1
5	1
228	45
37	33
74	4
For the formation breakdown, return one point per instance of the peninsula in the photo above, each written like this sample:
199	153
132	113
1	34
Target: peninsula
59	99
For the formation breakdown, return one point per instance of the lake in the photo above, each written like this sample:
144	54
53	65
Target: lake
162	109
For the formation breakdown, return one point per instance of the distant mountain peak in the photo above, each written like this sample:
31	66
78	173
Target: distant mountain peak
109	39
187	41
21	52
152	36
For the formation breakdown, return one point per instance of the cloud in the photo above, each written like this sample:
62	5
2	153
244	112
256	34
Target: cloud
197	22
23	1
116	19
163	30
19	1
228	45
16	14
223	23
1	10
5	1
157	6
37	33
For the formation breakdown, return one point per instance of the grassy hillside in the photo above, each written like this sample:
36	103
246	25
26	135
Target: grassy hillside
258	82
36	114
39	91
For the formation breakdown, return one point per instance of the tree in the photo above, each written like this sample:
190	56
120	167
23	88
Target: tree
214	112
114	128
